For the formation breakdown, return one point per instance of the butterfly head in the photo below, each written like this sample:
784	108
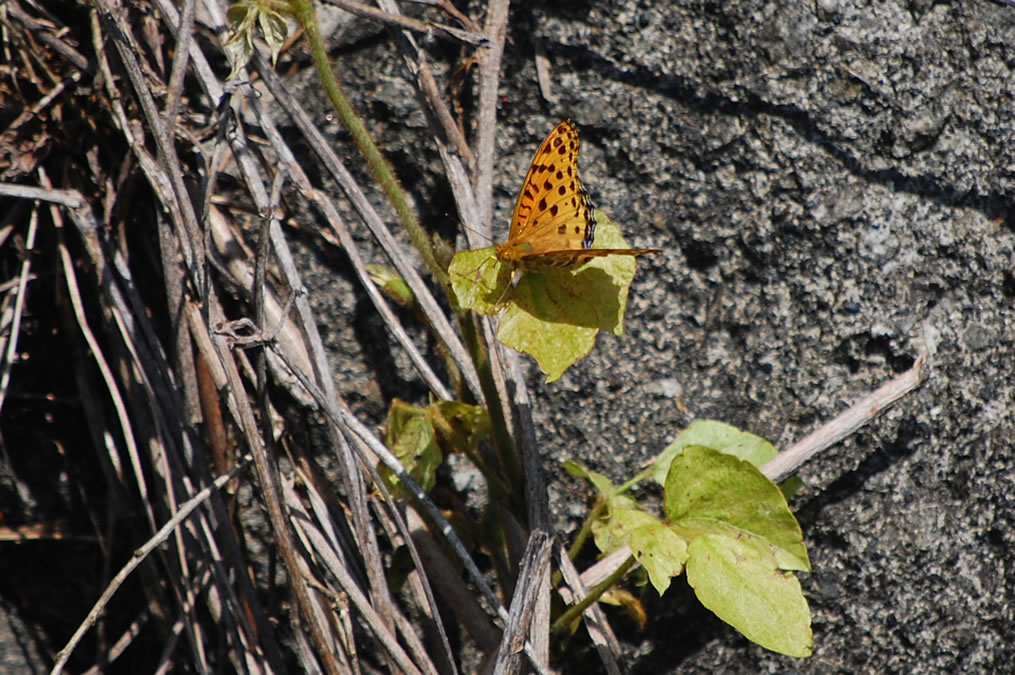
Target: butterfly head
512	252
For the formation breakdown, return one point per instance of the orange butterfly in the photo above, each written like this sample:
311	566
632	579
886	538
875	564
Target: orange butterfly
554	223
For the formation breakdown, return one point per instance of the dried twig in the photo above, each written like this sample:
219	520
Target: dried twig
398	20
442	123
10	353
139	556
489	79
180	207
342	417
45	33
602	635
109	379
431	309
543	72
533	572
319	543
846	424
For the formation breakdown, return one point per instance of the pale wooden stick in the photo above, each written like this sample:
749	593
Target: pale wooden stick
598	626
397	20
846	424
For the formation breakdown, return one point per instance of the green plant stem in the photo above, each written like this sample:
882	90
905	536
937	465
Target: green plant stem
631	482
586	530
580	538
303	11
592	517
562	624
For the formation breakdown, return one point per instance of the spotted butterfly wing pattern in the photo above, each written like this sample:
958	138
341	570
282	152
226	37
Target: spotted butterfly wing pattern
553	223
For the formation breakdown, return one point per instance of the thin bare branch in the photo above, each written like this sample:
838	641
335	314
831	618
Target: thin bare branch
486	136
124	641
108	377
45	33
596	623
181	208
181	59
434	314
343	418
10	353
72	199
377	624
398	20
451	143
268	479
456	596
139	556
451	11
848	423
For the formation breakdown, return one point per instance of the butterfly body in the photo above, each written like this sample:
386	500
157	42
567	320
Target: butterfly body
524	256
553	223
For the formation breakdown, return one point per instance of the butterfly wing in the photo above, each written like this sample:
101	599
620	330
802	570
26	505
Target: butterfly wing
553	211
554	224
575	257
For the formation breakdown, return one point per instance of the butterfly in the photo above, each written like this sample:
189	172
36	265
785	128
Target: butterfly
554	223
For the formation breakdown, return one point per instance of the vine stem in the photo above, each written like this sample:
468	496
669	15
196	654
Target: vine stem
303	11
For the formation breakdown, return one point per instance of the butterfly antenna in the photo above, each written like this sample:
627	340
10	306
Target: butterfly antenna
477	232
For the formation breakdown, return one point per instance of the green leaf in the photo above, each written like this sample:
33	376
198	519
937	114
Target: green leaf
242	17
628	602
391	284
791	486
742	535
658	548
708	492
413	440
480	282
420	437
731	528
460	427
575	469
552	315
554	346
739	581
240	45
719	436
399	413
606	487
275	32
615	499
